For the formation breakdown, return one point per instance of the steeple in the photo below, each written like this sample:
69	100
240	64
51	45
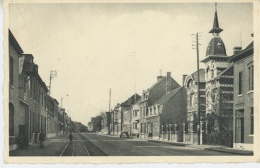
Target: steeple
216	46
215	30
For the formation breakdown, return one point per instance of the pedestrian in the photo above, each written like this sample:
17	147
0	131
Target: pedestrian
70	136
41	138
21	141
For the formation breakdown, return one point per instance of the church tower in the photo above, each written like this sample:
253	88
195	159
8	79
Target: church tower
219	80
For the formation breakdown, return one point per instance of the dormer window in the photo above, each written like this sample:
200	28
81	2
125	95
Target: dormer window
219	45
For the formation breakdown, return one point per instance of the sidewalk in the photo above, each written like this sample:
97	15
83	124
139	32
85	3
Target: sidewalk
207	147
52	147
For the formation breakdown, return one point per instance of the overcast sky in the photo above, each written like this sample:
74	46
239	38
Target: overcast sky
95	47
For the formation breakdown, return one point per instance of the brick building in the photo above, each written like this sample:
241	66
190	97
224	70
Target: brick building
28	109
191	84
117	116
243	121
52	117
165	117
163	85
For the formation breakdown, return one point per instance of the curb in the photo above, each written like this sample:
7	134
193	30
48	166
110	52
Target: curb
238	152
171	143
217	149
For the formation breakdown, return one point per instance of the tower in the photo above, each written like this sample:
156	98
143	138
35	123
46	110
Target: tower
219	83
216	61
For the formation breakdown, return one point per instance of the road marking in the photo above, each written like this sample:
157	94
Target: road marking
86	148
64	149
73	149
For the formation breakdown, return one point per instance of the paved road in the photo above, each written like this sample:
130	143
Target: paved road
114	146
81	146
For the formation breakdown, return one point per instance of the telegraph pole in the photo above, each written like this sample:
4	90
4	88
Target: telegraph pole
52	75
109	99
198	84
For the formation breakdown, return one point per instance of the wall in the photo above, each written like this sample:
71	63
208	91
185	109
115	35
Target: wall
243	101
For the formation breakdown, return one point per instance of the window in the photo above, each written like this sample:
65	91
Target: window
212	73
11	119
11	71
207	73
251	77
24	85
31	88
191	99
240	83
252	121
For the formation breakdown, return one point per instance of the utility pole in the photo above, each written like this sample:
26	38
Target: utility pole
109	110
198	84
109	99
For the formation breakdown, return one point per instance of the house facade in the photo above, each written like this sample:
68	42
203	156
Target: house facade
117	117
243	121
165	117
27	97
135	118
190	127
52	117
163	85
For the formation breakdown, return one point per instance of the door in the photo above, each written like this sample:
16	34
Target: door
242	129
22	131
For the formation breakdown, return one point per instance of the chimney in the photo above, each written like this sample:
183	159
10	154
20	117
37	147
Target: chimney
183	79
168	82
160	76
236	49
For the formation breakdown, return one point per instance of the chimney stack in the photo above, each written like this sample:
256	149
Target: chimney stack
160	75
168	82
183	79
236	49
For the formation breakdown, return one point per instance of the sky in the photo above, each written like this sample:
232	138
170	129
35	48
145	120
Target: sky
95	47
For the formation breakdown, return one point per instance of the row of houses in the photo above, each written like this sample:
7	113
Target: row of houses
169	110
32	109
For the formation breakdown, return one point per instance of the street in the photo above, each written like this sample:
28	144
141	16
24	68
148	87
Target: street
90	144
86	144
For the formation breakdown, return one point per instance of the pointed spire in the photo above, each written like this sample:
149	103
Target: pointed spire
216	29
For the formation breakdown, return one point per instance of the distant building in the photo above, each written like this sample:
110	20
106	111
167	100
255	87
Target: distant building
243	121
52	117
135	118
105	123
117	115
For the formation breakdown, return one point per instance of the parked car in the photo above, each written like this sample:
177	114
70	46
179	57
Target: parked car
124	134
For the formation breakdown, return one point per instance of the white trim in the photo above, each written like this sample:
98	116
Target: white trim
250	91
240	95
